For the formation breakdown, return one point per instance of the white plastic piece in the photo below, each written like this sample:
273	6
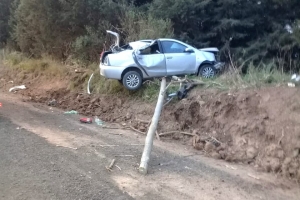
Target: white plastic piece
88	86
21	87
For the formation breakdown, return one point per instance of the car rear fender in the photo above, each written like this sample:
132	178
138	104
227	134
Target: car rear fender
132	69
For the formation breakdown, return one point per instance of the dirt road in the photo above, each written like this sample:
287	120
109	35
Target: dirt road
45	154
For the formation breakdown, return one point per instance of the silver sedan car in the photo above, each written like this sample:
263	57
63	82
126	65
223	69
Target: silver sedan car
137	61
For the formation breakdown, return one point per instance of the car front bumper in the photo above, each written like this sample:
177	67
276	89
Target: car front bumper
111	72
219	65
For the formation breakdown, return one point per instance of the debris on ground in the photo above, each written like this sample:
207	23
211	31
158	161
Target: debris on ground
71	112
88	86
291	85
86	120
21	87
98	121
52	103
109	168
295	78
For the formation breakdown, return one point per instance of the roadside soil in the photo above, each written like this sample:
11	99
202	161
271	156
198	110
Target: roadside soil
257	127
45	154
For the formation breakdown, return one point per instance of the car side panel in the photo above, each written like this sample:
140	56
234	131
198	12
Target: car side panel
180	63
153	64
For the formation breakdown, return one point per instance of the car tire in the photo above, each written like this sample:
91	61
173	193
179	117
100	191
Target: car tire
207	71
132	80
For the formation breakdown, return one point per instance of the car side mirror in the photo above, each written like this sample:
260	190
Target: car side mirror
189	50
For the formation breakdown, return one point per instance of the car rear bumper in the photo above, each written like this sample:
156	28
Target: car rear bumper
111	72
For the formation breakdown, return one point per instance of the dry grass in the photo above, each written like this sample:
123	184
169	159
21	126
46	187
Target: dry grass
255	77
262	76
45	66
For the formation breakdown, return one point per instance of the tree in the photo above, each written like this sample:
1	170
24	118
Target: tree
4	19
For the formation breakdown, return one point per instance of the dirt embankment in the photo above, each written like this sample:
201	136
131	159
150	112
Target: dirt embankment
256	127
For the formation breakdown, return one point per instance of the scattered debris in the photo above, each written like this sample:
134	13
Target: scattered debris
118	167
0	104
185	86
116	133
79	71
109	168
137	130
86	120
230	167
295	80
157	135
252	176
71	112
282	136
124	156
109	145
98	121
52	103
21	87
186	167
88	86
172	132
295	77
291	85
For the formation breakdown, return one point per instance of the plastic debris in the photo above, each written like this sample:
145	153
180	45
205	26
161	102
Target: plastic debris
52	103
21	87
86	120
295	78
0	104
71	112
88	86
98	121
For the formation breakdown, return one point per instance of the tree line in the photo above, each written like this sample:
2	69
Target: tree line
259	31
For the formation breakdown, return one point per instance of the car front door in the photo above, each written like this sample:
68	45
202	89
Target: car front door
178	61
151	60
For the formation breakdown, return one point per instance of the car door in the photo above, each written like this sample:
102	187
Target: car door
151	60
178	62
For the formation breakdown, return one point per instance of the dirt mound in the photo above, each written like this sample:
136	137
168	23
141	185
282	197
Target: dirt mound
256	127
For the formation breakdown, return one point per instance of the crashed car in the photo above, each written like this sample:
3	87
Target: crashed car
138	61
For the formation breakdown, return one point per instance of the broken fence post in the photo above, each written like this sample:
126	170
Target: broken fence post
152	129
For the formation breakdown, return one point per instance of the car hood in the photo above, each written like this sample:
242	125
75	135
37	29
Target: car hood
210	49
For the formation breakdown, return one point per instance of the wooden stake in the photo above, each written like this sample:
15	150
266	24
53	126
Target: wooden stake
152	129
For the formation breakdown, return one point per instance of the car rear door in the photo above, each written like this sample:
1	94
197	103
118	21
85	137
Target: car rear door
151	59
178	62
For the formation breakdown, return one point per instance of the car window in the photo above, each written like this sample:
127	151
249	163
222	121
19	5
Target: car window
173	47
153	48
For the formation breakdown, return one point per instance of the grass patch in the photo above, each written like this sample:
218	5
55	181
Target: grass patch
256	77
45	66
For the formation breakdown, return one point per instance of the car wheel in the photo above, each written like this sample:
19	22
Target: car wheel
207	71
132	80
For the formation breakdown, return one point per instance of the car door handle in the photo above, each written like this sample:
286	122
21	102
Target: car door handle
170	57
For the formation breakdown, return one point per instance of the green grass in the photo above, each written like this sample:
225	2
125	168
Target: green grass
256	77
